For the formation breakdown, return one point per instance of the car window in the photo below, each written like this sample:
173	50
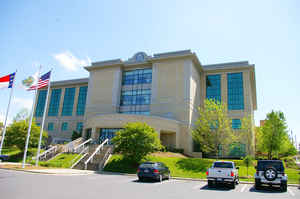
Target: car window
147	165
262	165
223	165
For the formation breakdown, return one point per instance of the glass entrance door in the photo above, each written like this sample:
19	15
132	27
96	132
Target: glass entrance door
107	133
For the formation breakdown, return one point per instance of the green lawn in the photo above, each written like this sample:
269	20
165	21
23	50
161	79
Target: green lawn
16	155
188	167
63	160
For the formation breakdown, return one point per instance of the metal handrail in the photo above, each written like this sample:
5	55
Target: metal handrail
95	152
81	145
52	149
71	145
86	150
105	158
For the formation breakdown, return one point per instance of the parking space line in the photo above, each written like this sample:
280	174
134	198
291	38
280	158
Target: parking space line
198	186
290	192
243	188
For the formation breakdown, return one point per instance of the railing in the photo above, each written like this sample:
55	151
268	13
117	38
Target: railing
81	146
46	153
105	158
97	151
86	151
71	145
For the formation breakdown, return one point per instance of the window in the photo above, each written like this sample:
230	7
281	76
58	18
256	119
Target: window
139	76
81	100
64	126
235	91
50	126
237	149
54	102
79	126
68	102
40	103
107	133
136	99
213	87
236	124
38	124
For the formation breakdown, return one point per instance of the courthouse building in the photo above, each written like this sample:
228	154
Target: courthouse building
163	90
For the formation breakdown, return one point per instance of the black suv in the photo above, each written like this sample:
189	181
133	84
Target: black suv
270	172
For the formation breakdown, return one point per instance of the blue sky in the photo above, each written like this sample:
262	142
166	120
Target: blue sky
64	35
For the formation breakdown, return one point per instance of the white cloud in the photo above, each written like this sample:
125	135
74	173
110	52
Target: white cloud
22	103
70	62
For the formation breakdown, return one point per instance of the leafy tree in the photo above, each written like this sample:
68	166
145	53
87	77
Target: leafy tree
248	161
75	135
246	134
17	132
23	114
213	128
274	133
136	141
1	127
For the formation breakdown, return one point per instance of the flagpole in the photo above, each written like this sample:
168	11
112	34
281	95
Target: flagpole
31	117
43	121
7	110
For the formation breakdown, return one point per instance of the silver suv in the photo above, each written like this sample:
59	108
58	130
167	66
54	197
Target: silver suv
270	172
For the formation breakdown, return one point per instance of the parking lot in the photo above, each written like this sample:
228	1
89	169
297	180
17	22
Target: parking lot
16	185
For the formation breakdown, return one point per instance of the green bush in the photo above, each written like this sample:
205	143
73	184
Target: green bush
290	162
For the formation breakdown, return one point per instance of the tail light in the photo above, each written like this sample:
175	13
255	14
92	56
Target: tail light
231	174
257	173
207	173
155	171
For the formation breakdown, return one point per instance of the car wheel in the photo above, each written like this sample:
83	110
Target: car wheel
283	186
237	181
232	185
210	183
270	174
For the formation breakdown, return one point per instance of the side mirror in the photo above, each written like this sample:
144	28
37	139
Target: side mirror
237	167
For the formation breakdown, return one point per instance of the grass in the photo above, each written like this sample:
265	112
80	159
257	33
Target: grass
64	160
188	167
16	155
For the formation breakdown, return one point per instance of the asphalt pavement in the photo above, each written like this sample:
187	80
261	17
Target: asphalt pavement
24	185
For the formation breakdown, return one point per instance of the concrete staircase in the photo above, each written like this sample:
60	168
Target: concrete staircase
97	161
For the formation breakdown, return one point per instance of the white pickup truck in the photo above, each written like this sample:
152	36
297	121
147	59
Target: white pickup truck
223	172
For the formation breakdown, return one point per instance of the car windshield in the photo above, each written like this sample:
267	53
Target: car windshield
223	165
262	165
147	165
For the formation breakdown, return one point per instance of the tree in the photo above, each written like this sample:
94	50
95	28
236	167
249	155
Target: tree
1	127
17	132
246	134
23	114
274	133
248	161
136	141
75	135
212	129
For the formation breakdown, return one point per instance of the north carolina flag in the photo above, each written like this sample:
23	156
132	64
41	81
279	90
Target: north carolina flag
7	81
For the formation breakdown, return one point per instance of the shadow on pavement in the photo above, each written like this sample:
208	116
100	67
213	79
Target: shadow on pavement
216	188
266	189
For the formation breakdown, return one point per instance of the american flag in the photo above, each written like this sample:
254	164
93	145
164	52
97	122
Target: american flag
43	82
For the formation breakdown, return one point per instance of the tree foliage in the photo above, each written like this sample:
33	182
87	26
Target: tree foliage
23	114
136	141
75	135
17	132
213	128
248	161
246	134
274	135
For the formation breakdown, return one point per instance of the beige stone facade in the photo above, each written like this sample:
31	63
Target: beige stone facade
177	88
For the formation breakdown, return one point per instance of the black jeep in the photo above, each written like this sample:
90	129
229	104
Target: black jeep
270	172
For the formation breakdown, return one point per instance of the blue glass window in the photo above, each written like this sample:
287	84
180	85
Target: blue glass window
139	76
81	100
213	87
40	103
50	126
68	102
237	149
64	126
79	126
235	91
137	112
54	102
38	124
236	123
136	97
107	133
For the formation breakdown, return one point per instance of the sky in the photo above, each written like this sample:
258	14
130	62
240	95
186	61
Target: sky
66	35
